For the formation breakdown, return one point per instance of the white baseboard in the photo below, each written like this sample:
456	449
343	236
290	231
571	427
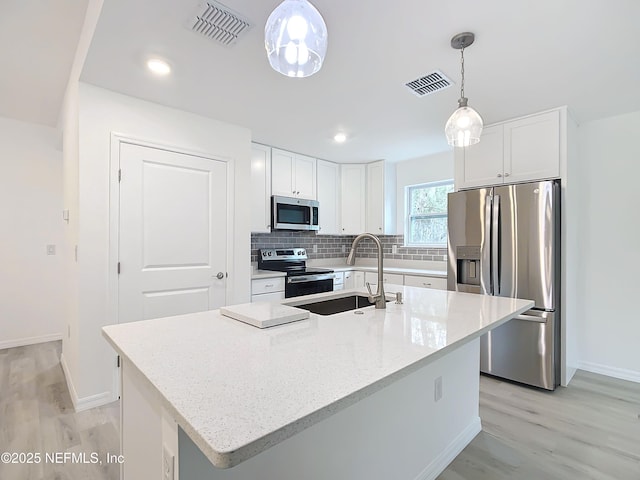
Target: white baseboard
84	403
442	461
621	373
67	376
21	342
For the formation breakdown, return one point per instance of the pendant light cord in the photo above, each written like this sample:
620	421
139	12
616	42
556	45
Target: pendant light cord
462	70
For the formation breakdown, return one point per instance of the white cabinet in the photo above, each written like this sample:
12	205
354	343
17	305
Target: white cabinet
381	198
524	149
532	148
358	279
372	278
338	281
267	289
293	175
328	190
349	280
480	164
425	282
353	182
260	188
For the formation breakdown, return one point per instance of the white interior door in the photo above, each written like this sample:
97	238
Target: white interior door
173	229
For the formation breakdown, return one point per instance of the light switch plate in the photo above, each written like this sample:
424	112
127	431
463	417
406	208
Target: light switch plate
168	464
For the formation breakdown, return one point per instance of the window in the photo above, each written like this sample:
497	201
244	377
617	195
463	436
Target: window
426	214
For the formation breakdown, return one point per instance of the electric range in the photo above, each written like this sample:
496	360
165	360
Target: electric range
300	279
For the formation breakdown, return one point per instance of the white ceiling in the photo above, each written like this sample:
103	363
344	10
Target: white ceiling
529	55
38	42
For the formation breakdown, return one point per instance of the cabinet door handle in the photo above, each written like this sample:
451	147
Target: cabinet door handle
426	284
499	175
269	285
507	174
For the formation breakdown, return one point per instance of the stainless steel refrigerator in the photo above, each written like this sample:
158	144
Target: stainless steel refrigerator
505	241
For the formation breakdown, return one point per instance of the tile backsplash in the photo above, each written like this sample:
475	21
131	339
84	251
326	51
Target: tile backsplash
331	246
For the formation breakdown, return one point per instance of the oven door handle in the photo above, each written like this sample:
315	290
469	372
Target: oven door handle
309	278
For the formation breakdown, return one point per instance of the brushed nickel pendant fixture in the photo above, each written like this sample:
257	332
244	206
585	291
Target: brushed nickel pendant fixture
295	38
464	126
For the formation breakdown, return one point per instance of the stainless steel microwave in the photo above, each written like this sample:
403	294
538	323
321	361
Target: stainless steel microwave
289	213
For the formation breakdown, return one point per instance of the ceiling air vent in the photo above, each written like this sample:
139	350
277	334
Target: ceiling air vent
428	84
219	23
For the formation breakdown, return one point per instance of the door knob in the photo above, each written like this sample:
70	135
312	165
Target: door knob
220	276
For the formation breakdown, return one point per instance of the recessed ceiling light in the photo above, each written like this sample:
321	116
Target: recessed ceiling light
158	66
340	137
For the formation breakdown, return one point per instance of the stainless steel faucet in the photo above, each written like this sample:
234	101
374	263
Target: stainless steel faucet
379	297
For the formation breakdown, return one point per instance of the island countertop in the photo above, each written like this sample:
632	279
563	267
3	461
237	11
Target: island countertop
237	390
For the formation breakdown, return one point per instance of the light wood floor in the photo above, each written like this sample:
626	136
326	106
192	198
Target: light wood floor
589	431
37	416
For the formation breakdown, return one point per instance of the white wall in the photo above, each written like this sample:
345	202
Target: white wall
608	170
432	168
102	112
31	294
68	123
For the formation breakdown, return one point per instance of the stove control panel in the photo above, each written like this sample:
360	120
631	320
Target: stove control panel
267	254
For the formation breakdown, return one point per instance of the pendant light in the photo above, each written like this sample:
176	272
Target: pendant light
465	124
295	37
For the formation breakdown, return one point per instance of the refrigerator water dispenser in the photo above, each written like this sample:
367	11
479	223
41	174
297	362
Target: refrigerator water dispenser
468	264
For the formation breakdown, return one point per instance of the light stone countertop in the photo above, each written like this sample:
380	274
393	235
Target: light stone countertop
257	274
237	390
402	271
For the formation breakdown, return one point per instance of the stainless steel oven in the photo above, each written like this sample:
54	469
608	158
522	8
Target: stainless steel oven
300	280
307	283
289	213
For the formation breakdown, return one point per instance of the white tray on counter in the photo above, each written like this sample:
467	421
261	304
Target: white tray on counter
264	314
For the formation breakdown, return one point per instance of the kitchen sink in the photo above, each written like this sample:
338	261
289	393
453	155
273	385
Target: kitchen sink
337	305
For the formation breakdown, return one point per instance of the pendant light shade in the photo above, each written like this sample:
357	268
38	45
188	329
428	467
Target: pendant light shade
464	126
295	38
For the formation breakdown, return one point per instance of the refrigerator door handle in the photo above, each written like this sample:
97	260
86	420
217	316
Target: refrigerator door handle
495	244
487	283
532	318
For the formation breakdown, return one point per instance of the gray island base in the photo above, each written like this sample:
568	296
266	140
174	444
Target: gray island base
384	394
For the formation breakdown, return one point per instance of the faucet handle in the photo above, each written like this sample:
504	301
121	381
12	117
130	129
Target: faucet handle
368	285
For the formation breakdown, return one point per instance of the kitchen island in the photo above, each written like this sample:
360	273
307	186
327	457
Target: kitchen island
390	393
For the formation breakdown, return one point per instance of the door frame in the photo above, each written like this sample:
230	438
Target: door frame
114	219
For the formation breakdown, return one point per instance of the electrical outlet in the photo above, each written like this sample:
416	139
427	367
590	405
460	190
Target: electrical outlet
394	249
168	463
344	249
437	389
315	249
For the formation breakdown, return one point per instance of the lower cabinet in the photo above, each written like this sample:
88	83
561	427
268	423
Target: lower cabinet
267	289
338	281
358	279
349	280
425	282
372	278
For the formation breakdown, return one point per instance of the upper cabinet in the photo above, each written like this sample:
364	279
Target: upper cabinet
381	198
520	150
260	188
328	176
353	181
293	175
